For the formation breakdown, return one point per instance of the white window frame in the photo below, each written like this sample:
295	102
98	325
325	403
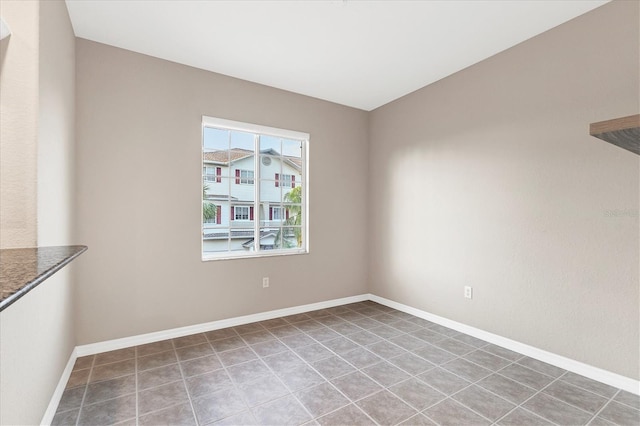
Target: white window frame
224	124
241	219
209	177
281	212
247	177
286	180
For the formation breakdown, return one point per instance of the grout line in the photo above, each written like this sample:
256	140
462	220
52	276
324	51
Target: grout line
624	403
536	391
184	382
226	370
415	376
528	411
182	377
471	384
566	402
340	335
86	388
336	355
597	413
617	390
521	405
433	344
279	379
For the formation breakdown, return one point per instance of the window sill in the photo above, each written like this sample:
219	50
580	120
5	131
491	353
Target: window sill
253	255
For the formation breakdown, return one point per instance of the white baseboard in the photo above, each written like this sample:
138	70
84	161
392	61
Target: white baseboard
110	345
595	373
50	412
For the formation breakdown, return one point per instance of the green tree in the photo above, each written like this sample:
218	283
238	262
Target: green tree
208	208
292	224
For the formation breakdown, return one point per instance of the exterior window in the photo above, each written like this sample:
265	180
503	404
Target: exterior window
209	174
245	176
212	174
277	213
288	181
241	213
254	190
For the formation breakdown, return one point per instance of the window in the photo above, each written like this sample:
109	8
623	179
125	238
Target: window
286	181
241	213
255	177
212	174
277	213
283	180
209	174
244	177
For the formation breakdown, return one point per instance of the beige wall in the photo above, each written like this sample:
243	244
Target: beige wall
489	178
56	126
18	124
36	342
37	333
138	178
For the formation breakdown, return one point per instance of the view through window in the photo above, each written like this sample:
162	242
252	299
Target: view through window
254	199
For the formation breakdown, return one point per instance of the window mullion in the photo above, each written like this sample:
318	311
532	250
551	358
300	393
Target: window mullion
229	207
256	193
304	176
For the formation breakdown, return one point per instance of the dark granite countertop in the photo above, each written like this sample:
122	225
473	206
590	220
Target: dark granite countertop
21	270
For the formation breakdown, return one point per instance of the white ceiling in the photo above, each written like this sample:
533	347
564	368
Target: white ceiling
357	53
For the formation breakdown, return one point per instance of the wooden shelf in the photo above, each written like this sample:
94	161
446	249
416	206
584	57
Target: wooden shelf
623	132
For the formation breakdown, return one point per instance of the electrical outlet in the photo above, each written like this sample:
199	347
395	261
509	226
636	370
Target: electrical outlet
468	292
265	282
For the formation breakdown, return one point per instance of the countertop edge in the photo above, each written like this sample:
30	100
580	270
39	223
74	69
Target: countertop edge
41	277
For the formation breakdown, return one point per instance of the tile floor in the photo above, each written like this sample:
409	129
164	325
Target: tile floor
358	364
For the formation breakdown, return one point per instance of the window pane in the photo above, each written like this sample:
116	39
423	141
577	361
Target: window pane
270	145
215	139
270	167
217	188
291	237
293	214
214	197
215	154
215	185
292	195
242	141
269	238
241	240
242	167
270	172
242	181
215	164
215	241
292	149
